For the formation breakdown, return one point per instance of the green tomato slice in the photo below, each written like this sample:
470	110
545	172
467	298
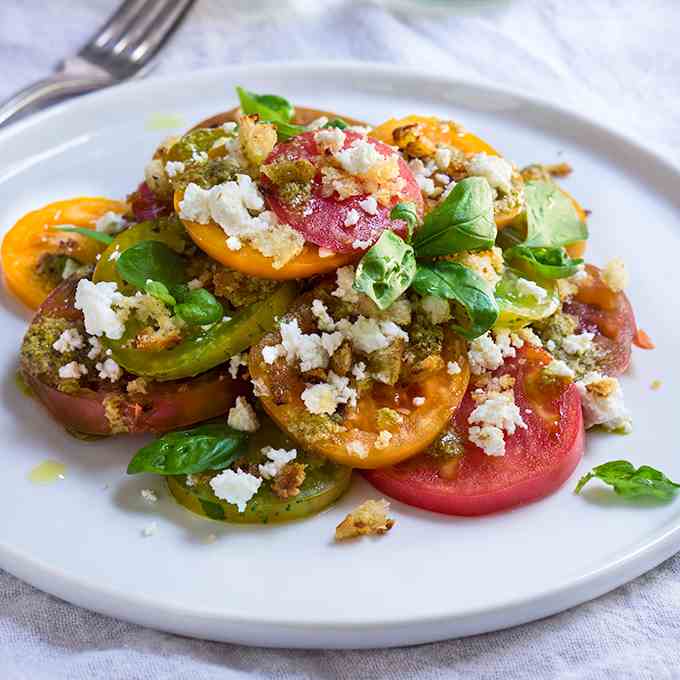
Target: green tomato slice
324	483
168	230
518	309
205	347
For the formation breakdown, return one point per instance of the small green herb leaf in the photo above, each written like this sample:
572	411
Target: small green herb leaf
160	291
386	270
271	109
199	307
150	260
90	233
463	221
337	123
211	446
549	263
476	305
552	220
406	212
631	483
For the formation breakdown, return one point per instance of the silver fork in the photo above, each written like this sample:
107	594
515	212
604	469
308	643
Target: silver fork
122	48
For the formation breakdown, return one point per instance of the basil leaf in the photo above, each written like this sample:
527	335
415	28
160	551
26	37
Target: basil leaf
631	483
160	291
90	233
406	212
212	446
150	260
476	305
271	109
199	307
463	221
386	270
552	219
549	263
337	123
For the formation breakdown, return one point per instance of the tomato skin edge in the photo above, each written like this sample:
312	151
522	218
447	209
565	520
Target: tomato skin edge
520	493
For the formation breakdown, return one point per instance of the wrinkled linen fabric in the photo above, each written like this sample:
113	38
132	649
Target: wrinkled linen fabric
615	61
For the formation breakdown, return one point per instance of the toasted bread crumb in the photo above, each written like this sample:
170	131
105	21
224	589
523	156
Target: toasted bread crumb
369	519
656	384
288	482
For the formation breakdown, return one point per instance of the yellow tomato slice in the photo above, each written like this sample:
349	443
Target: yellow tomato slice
211	240
32	237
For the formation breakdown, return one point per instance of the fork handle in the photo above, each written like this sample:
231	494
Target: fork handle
46	91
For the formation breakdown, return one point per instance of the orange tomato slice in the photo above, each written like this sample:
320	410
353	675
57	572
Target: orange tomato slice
32	237
212	240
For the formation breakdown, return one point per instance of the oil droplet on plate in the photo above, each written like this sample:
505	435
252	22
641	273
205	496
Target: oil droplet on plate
164	121
47	472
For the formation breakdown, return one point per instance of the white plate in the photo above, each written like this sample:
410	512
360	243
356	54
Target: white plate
432	577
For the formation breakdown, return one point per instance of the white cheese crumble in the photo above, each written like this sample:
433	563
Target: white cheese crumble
497	414
351	218
242	416
110	223
332	139
96	347
109	370
345	285
149	495
442	157
95	300
418	401
324	398
173	168
194	284
530	288
578	344
489	438
150	530
436	308
383	440
453	368
359	157
369	205
260	389
602	401
324	320
278	458
69	340
558	369
359	371
235	362
357	448
236	488
529	336
484	354
325	252
72	370
496	170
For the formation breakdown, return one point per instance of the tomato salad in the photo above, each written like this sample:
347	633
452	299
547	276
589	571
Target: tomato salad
290	295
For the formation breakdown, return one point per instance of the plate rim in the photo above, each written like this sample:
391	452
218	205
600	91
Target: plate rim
639	558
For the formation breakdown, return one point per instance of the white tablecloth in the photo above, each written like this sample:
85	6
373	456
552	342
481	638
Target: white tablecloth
618	61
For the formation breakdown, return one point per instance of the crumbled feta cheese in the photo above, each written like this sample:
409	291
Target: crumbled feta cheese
369	205
109	370
442	157
235	362
558	369
602	401
318	123
72	370
325	252
278	458
550	346
312	350
359	371
383	440
332	139
453	368
324	321
242	416
578	344
615	275
498	410
441	178
357	448
352	217
173	168
484	354
199	156
69	340
190	480
236	488
489	438
270	353
96	347
527	335
426	184
110	223
367	335
418	401
260	388
359	157
150	530
149	495
194	284
361	245
345	285
530	288
436	308
496	170
95	300
324	398
229	127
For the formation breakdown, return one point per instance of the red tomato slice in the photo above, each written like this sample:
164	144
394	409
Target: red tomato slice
609	316
103	408
537	460
321	219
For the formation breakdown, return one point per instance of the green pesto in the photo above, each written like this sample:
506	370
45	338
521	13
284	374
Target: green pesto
50	268
426	339
310	428
37	355
240	289
206	175
448	444
387	362
300	171
195	141
387	418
